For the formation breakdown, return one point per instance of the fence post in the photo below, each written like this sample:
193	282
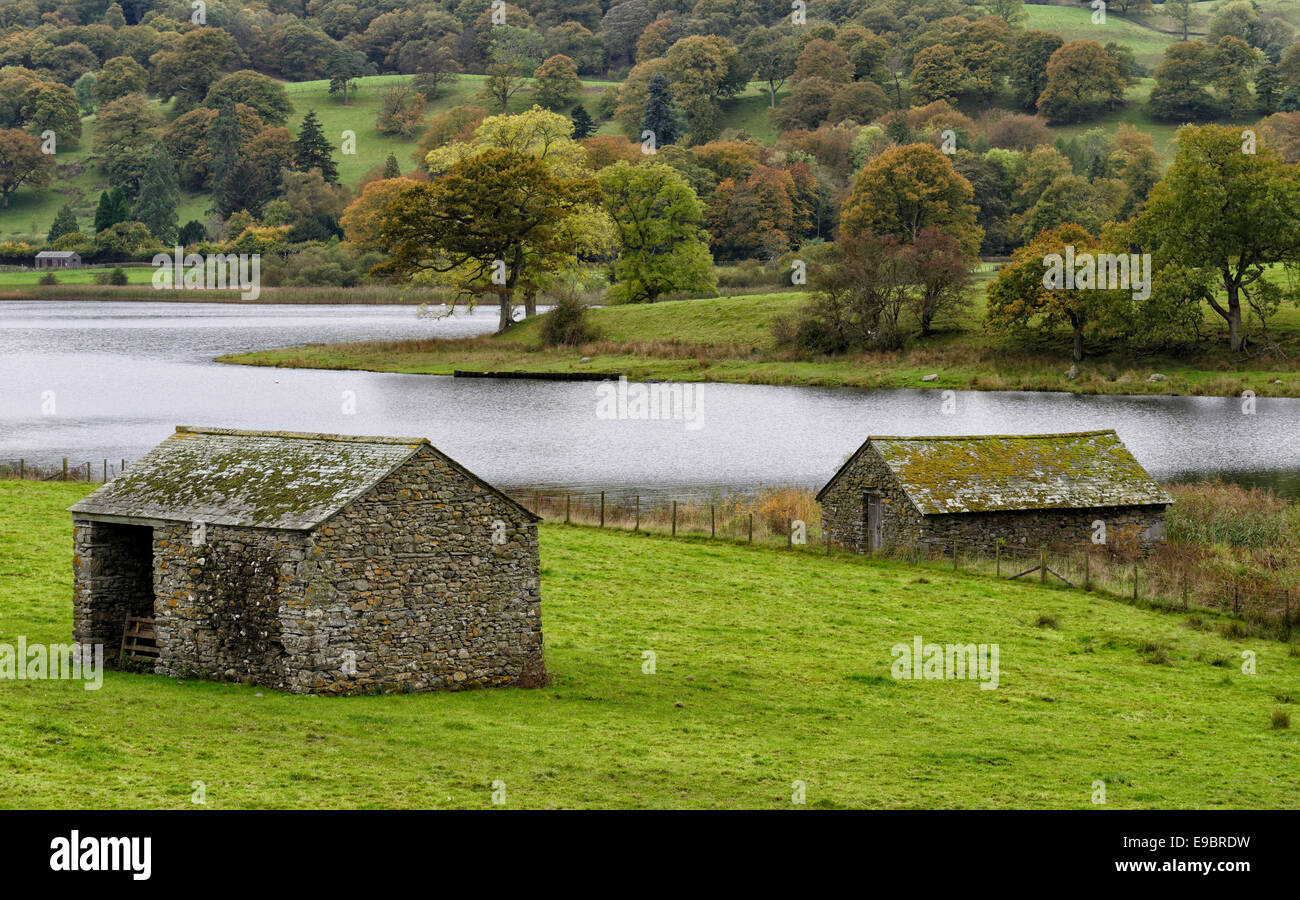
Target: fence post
602	509
997	560
789	534
1135	581
105	471
637	524
1042	565
751	528
87	471
954	554
537	503
826	538
1184	592
1235	586
1087	571
567	497
122	468
713	522
674	518
65	468
22	468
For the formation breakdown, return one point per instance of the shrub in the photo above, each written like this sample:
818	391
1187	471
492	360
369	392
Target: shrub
48	278
566	324
1281	718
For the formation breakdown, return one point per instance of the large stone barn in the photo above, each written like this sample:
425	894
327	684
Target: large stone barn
1031	491
309	563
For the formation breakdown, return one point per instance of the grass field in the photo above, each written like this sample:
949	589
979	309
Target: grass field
771	667
17	278
1074	23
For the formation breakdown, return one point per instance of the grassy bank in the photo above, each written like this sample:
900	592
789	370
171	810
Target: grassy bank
771	667
730	339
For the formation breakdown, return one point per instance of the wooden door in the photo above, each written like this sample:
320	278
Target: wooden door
872	521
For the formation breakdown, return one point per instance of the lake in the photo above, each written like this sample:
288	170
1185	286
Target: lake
90	380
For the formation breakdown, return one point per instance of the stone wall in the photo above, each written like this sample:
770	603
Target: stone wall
408	579
1127	528
842	511
220	604
112	579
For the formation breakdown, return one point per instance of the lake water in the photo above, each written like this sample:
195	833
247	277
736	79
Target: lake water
109	380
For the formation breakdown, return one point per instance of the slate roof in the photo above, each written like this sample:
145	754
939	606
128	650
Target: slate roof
260	479
990	473
58	254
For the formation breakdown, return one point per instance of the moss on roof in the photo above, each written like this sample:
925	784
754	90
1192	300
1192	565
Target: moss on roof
989	473
262	479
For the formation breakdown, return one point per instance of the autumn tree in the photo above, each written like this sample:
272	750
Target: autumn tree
1021	300
122	127
940	275
401	110
908	189
22	163
483	221
187	71
50	106
1219	220
771	54
264	95
1081	79
662	244
1181	78
119	75
556	82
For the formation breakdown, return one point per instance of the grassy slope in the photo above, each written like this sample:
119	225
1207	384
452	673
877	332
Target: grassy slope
17	278
772	667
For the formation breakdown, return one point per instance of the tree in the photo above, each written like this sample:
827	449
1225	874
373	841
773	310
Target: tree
159	195
253	89
401	110
1219	219
1179	93
941	274
770	54
50	106
187	71
662	243
483	218
65	222
224	140
1235	62
438	68
191	233
821	58
1022	298
312	151
391	168
1010	11
906	190
22	162
343	68
122	127
662	117
1182	12
583	126
706	69
1081	78
113	208
84	88
557	82
120	75
503	81
937	75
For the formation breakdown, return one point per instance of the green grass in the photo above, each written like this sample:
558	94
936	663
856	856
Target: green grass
1074	23
134	275
730	339
771	667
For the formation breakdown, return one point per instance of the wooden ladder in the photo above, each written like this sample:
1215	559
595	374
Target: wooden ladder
139	639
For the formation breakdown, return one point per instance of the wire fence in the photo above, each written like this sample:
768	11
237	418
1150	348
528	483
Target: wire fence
1149	579
790	518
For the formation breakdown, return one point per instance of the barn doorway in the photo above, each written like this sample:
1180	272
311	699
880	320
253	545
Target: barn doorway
873	526
121	591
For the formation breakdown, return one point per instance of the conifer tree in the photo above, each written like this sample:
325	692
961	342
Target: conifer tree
312	151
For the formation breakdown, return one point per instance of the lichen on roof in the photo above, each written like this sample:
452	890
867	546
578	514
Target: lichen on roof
988	473
262	479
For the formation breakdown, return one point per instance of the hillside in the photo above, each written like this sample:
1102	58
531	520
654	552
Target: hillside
771	667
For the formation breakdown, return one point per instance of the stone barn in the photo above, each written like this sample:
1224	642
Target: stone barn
310	563
58	259
1031	491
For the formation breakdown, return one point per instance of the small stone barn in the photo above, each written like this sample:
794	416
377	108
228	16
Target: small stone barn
58	259
1036	490
310	563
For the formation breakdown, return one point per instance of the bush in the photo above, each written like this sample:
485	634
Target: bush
566	324
1281	719
48	278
